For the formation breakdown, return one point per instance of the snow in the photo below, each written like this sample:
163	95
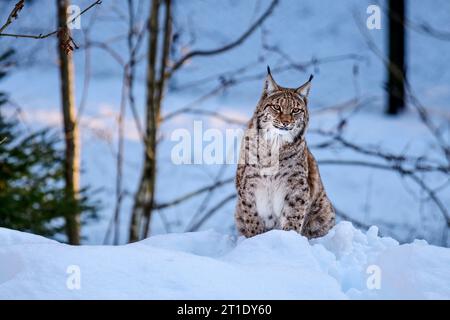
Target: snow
211	265
328	29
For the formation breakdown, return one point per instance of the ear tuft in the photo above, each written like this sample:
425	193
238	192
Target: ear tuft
270	85
303	90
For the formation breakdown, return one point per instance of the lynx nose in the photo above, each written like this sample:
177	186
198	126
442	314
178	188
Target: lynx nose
286	119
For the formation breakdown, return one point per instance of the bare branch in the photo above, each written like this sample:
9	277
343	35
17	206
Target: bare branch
420	27
421	110
87	69
209	113
193	194
107	48
302	66
13	15
230	45
429	30
402	171
229	79
211	212
119	161
208	196
43	36
346	217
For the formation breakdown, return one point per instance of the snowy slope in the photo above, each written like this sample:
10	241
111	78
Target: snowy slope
328	29
210	265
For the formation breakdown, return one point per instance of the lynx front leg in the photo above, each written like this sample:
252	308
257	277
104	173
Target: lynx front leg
248	222
295	209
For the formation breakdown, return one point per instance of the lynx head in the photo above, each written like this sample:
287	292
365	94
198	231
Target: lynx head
283	111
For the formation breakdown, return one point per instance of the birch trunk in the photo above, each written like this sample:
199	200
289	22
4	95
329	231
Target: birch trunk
72	151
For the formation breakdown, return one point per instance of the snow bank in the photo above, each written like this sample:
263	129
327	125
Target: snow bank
209	265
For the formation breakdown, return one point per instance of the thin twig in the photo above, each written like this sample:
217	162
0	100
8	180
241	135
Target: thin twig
192	194
211	211
228	80
229	46
402	171
13	15
43	36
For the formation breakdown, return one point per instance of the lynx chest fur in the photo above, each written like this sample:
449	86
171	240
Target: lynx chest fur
269	200
278	182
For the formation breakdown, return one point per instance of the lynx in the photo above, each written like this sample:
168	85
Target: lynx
278	181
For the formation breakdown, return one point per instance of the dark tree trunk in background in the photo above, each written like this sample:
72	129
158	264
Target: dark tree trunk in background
72	152
397	53
155	84
159	72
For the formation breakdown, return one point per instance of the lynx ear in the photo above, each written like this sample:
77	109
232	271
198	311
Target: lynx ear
303	90
270	86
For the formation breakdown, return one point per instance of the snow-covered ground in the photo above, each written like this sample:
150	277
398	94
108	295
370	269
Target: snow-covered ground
216	264
345	264
304	30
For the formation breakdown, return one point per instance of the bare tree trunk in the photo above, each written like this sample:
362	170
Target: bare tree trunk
143	204
158	72
72	152
396	70
158	91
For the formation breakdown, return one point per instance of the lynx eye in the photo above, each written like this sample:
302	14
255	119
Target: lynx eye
296	110
275	107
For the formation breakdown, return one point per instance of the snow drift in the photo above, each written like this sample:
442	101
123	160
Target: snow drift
209	265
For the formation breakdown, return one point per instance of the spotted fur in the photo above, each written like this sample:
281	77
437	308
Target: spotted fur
277	180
